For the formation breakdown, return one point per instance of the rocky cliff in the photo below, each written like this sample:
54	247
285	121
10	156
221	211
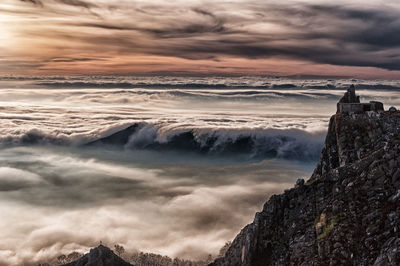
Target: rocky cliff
347	213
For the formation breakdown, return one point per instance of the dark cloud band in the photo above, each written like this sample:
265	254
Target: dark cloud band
342	35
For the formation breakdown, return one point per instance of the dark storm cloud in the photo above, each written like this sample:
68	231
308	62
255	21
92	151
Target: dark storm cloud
356	38
212	24
35	2
70	60
77	3
338	34
373	29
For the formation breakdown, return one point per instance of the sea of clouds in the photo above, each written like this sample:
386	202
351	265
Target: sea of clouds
57	201
171	188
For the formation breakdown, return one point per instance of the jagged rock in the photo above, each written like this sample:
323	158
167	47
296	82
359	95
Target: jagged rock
347	213
100	256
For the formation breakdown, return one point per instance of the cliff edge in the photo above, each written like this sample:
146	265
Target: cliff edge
347	213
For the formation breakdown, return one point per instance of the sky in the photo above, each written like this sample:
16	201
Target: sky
177	37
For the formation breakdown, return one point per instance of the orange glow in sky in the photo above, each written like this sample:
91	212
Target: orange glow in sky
68	37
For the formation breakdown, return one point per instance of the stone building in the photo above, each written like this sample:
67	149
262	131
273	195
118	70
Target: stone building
350	103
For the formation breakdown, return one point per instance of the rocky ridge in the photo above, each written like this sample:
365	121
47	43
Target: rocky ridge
347	213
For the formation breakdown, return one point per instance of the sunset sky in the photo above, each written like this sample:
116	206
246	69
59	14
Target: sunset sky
291	37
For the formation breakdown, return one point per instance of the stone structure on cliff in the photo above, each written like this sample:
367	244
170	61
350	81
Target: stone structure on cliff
347	213
350	103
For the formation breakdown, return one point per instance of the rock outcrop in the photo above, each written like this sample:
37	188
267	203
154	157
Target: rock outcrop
100	256
347	213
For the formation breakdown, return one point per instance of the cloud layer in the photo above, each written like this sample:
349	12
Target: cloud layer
61	198
203	36
73	200
74	111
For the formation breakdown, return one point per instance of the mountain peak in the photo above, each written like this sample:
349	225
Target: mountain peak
99	256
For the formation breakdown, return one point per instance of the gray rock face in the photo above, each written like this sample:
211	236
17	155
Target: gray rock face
347	213
100	256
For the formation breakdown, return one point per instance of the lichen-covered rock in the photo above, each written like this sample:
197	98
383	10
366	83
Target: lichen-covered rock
347	213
